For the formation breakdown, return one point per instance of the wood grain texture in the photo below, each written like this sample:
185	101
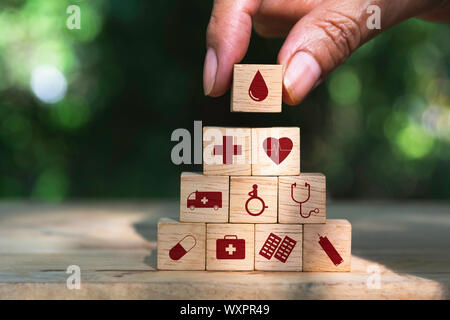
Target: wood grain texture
267	191
293	261
215	232
243	76
191	201
313	210
213	164
339	233
114	243
263	165
192	239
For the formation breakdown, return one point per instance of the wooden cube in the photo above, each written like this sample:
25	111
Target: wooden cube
230	247
327	247
226	151
253	199
278	247
256	88
204	198
181	246
276	151
302	199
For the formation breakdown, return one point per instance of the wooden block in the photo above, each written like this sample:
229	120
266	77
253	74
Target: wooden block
226	151
278	247
276	151
230	247
256	88
259	207
327	247
302	199
181	246
204	198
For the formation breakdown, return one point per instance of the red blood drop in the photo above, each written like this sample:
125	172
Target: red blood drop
258	89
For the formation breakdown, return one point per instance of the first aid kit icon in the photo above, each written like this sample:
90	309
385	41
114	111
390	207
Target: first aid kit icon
182	247
230	247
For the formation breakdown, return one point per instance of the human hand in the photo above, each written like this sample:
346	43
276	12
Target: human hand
321	34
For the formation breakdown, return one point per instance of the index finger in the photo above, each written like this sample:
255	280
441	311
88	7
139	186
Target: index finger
227	40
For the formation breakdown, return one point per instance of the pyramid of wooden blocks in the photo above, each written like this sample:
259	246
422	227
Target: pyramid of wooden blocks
252	208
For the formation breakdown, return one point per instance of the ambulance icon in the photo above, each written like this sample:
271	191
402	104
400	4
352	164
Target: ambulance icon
204	199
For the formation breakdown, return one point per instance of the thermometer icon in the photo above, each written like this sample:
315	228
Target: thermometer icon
330	250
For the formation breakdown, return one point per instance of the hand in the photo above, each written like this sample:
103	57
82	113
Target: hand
321	34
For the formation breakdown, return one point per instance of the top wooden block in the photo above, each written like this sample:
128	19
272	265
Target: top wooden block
256	88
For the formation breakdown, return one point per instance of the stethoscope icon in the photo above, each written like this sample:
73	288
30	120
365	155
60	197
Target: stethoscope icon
316	210
254	195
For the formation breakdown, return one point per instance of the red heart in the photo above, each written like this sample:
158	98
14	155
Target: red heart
277	149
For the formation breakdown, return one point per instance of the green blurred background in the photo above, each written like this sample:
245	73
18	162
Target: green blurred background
89	113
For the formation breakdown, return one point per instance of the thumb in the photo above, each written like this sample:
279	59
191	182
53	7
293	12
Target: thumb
329	34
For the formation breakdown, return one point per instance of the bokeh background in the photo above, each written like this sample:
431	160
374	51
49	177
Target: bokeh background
89	113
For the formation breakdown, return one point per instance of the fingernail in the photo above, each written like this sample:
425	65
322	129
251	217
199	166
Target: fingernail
209	71
301	75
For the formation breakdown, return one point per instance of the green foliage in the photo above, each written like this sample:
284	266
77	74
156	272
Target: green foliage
378	127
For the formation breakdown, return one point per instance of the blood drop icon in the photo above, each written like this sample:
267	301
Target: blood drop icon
258	89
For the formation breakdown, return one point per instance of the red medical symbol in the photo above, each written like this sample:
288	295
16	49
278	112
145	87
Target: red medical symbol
277	149
254	195
230	247
273	242
227	150
269	247
329	249
285	249
182	247
306	215
258	89
204	199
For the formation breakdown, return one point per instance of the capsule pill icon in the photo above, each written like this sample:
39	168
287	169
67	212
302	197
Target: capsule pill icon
183	246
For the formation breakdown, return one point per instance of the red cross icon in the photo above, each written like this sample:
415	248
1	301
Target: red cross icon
230	249
227	150
204	200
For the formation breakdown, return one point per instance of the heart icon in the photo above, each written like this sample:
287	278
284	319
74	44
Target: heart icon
277	149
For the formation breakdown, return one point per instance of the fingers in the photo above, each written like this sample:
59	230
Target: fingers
329	34
227	40
317	44
275	18
439	14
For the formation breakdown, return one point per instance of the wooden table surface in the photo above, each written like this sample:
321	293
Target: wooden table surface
114	244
